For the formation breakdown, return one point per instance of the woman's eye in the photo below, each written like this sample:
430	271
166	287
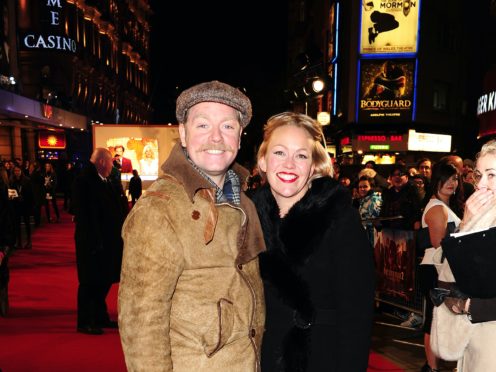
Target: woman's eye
278	153
302	156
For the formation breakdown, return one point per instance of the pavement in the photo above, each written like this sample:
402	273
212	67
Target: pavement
403	346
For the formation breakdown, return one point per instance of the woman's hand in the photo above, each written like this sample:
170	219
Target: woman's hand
476	202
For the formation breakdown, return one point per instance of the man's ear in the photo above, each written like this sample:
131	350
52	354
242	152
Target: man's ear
182	134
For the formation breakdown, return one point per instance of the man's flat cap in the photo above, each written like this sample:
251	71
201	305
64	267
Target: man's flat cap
214	91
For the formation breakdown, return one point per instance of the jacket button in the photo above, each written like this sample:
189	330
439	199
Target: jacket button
253	333
240	266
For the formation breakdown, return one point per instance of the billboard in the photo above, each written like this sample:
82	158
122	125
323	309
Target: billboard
389	26
141	147
386	90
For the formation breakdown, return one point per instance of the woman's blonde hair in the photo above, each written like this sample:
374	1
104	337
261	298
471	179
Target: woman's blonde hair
489	148
320	158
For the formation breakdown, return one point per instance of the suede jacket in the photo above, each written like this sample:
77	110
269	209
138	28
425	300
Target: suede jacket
191	296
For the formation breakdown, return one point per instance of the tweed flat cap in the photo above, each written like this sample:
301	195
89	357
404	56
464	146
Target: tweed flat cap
214	91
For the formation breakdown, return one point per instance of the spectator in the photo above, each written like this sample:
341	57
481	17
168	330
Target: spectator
7	240
436	216
135	187
99	217
22	204
368	204
69	176
50	184
402	199
39	193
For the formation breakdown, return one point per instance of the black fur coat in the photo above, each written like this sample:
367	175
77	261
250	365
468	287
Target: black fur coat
318	277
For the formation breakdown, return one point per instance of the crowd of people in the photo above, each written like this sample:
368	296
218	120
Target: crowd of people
280	278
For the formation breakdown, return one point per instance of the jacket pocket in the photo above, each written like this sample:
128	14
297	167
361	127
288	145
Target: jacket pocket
218	335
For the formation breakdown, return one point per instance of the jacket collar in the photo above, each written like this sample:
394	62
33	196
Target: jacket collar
178	166
306	221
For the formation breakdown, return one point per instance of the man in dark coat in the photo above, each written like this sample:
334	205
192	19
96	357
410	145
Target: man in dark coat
135	187
99	218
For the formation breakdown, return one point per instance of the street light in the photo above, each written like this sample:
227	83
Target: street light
318	85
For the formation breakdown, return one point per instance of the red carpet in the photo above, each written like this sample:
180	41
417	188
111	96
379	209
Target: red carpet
39	333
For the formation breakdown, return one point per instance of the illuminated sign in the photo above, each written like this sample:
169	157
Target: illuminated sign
51	140
386	91
345	141
380	138
380	142
379	147
486	105
428	142
52	35
389	26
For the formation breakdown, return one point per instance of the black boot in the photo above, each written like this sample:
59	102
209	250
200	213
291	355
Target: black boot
427	368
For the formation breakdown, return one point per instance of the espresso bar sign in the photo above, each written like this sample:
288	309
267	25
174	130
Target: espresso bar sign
53	35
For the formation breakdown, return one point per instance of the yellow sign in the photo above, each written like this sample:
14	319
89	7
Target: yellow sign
389	27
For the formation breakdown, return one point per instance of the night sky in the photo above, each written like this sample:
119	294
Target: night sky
240	43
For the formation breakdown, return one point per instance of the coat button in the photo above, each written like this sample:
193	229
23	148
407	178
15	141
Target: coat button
253	333
240	267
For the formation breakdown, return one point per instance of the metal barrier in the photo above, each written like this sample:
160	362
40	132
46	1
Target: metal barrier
397	270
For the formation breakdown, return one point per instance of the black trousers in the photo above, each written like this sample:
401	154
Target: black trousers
54	205
92	308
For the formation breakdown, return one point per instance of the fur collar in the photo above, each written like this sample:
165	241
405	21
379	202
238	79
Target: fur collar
306	222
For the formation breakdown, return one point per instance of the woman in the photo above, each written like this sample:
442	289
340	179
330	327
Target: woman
50	184
368	204
437	214
149	164
478	338
318	270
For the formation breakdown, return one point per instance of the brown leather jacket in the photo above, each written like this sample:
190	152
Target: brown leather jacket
190	295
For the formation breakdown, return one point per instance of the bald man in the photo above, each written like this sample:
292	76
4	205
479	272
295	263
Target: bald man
99	217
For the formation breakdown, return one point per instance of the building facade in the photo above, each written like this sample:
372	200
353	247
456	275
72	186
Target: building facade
66	65
401	78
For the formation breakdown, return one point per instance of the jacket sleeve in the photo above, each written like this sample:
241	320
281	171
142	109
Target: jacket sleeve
152	264
483	309
355	284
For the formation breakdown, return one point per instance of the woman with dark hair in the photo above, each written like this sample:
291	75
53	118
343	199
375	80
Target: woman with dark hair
368	204
439	211
318	270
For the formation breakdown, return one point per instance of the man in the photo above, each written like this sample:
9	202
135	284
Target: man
99	217
401	199
125	164
424	167
190	296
